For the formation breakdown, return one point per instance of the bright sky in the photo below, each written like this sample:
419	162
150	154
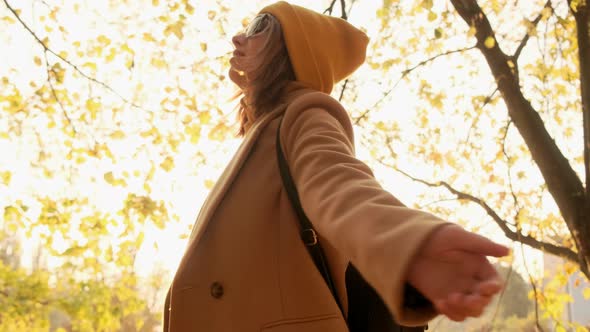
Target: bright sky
188	193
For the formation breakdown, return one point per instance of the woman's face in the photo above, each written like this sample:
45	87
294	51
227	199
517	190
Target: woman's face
245	62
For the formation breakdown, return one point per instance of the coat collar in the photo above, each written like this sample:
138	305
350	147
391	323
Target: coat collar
225	180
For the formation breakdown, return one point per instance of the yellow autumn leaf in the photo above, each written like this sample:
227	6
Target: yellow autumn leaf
437	158
8	19
194	131
381	126
155	2
117	134
189	9
167	164
187	119
438	33
109	178
204	117
490	42
176	29
209	184
218	132
37	60
6	176
148	37
427	4
90	65
587	293
432	16
93	107
111	56
104	40
158	62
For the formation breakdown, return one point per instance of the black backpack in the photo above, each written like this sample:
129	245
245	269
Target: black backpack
366	310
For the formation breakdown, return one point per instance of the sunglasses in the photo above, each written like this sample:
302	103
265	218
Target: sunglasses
258	25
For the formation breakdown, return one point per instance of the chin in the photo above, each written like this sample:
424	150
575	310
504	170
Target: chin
238	79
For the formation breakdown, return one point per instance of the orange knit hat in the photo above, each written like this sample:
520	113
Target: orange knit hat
323	49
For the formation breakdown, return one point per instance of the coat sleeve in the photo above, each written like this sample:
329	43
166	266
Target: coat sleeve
350	209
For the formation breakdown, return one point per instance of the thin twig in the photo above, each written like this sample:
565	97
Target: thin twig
507	280
422	206
516	235
47	49
534	22
403	75
330	8
50	71
342	91
533	285
423	62
486	101
509	171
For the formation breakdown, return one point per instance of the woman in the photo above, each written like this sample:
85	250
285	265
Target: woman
246	267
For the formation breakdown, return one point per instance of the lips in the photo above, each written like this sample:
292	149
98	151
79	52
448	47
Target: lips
238	53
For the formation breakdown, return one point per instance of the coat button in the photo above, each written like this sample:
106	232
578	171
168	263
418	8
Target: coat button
216	290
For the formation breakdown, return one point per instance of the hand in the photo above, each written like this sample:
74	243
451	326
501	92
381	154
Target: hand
452	271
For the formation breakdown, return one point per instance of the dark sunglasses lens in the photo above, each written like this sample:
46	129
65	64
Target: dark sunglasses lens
257	25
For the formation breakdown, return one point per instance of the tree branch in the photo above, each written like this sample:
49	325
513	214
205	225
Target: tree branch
330	8
69	63
405	73
534	22
503	224
343	8
562	181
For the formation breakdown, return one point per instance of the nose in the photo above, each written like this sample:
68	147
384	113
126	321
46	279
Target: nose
238	39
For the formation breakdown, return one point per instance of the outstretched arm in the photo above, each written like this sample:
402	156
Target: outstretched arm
389	243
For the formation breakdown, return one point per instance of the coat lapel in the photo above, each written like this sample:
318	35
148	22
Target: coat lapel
224	182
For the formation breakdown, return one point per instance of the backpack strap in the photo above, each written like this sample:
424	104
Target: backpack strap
307	232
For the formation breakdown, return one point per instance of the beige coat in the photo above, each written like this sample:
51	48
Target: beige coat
246	268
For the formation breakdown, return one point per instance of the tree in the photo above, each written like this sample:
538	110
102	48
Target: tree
537	88
105	111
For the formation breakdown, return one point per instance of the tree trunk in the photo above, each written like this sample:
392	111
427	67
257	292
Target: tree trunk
582	18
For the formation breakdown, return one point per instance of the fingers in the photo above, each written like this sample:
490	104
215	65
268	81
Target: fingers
478	244
443	308
489	287
458	307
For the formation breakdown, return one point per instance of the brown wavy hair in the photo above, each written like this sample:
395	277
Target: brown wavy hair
274	73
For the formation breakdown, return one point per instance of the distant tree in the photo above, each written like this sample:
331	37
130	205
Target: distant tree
515	300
